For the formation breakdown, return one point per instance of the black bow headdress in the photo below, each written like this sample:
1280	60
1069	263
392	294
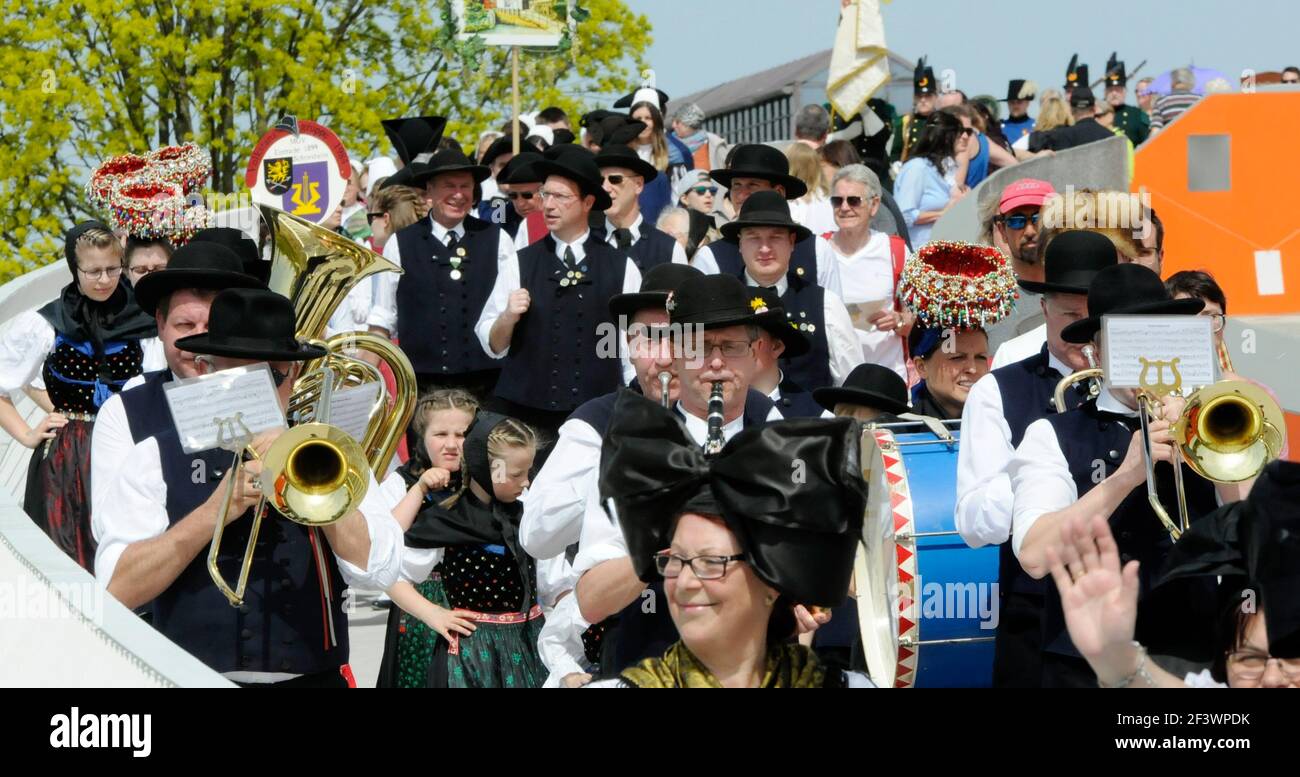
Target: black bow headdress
791	491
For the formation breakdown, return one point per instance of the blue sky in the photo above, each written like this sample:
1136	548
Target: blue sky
700	43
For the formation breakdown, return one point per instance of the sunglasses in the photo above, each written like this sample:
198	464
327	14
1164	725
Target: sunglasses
370	217
1020	221
517	195
615	179
854	201
968	130
703	190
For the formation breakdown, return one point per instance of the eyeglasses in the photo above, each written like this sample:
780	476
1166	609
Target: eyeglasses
563	199
517	195
140	271
103	272
703	190
1250	665
1020	221
854	201
370	217
731	349
615	179
1219	320
703	567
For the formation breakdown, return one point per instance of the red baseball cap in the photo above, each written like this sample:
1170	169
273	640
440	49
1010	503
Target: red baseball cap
1026	191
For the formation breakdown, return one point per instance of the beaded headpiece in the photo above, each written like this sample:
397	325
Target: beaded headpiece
958	285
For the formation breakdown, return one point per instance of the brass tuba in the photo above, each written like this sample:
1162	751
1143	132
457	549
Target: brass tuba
315	474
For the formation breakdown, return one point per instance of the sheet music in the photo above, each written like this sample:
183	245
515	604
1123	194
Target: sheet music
1129	339
198	405
350	409
861	312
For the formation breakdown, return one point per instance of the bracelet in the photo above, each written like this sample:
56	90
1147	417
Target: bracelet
1141	671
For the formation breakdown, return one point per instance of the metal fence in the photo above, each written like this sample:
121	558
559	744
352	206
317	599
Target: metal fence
762	123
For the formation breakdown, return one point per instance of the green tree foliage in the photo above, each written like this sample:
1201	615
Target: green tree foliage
83	81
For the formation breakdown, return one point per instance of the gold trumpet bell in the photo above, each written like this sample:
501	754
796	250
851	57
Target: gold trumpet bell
318	474
1229	431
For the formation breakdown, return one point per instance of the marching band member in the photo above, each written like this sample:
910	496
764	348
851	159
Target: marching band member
159	518
737	543
778	340
1089	461
872	393
625	175
998	410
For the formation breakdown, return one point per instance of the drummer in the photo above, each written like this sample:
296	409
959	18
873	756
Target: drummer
998	410
949	362
872	394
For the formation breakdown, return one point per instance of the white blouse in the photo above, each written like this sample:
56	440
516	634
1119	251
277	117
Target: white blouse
28	338
868	276
417	563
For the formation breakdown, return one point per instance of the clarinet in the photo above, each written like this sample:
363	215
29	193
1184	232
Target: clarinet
713	444
665	378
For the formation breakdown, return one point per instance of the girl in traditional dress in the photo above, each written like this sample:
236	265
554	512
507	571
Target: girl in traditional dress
85	345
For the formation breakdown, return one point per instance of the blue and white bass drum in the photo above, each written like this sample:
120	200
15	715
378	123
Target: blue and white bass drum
926	601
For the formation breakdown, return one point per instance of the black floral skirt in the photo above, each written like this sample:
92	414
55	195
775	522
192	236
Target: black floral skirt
58	491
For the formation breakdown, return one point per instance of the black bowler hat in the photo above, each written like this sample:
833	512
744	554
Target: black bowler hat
757	160
923	79
251	324
520	168
620	155
1076	75
1020	89
199	264
656	284
616	129
449	160
869	385
764	209
414	136
711	302
577	165
592	118
1082	97
1115	75
1071	261
1126	289
646	94
770	314
244	247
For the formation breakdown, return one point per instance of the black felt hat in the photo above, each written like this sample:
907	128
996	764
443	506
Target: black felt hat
520	169
1071	261
1115	75
244	247
502	145
656	284
199	264
770	314
712	302
449	160
869	385
577	165
1020	89
764	209
620	155
1126	289
616	129
415	135
923	79
251	324
757	160
1075	74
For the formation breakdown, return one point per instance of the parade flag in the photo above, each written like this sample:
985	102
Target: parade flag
860	60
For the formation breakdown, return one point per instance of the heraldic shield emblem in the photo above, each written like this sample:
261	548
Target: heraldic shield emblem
278	174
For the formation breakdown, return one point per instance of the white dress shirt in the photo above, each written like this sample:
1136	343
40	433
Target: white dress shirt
1021	347
508	281
868	276
417	563
1040	475
559	644
135	510
841	337
563	492
383	312
828	269
601	539
984	496
679	253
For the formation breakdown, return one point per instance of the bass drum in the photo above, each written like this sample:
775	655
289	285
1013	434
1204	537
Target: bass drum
927	602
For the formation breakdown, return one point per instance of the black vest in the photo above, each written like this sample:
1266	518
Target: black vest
805	307
436	314
796	402
803	262
147	412
655	247
644	628
564	350
280	626
1178	618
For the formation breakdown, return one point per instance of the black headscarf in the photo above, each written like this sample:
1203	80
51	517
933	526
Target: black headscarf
81	319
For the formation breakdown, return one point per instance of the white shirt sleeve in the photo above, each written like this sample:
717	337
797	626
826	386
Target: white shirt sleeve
110	447
507	281
134	508
384	564
704	261
556	501
601	540
555	578
24	344
828	267
984	498
841	338
679	253
383	308
560	642
417	563
1040	480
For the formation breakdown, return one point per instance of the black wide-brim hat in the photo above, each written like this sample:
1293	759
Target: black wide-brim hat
1071	261
758	160
403	177
770	314
1126	289
199	264
623	156
656	284
251	324
244	247
711	302
1020	89
414	135
502	145
616	129
577	165
449	160
869	385
520	169
764	209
